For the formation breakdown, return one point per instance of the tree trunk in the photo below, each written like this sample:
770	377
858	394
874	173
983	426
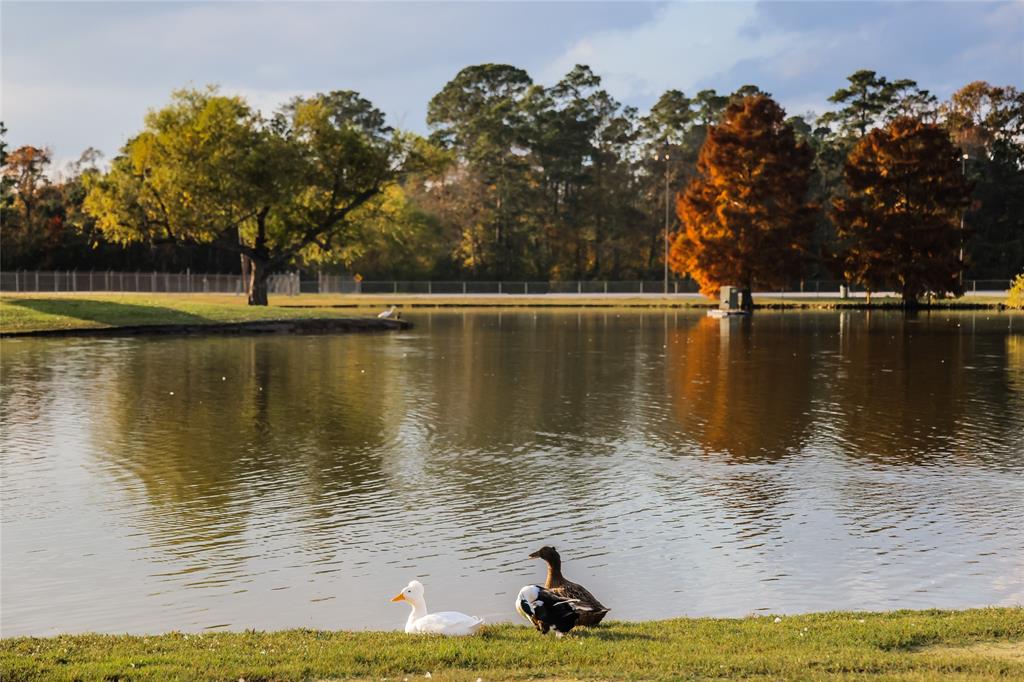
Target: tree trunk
910	301
746	299
246	273
259	274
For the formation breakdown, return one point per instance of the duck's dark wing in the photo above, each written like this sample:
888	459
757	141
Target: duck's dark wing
556	611
572	590
591	610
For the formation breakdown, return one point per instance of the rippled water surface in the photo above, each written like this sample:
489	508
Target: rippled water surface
683	465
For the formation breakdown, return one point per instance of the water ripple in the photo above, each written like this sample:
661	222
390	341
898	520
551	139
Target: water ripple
683	466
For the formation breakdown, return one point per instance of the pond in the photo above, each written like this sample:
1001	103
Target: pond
793	462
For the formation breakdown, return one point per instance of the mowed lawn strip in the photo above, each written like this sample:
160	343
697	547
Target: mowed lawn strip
903	645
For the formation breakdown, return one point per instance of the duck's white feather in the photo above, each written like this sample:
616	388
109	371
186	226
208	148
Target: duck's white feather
451	623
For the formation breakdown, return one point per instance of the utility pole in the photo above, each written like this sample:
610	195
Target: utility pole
963	211
665	157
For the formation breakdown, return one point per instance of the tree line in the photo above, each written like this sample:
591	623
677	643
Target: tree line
516	180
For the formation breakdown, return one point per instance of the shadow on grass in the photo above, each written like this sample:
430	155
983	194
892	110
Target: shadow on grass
108	312
602	633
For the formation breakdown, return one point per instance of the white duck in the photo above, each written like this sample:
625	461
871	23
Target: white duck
391	313
451	623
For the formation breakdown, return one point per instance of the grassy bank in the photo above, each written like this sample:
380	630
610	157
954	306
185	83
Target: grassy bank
32	312
904	645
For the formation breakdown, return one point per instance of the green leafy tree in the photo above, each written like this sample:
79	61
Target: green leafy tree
988	123
899	223
870	100
209	169
479	116
393	238
1015	297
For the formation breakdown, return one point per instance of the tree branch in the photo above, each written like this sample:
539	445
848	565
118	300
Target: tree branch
324	230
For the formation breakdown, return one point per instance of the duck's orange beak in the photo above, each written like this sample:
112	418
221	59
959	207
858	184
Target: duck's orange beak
400	597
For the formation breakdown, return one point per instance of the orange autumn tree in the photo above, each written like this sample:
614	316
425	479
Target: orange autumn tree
745	217
899	225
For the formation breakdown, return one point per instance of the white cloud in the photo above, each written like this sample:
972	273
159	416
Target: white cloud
684	46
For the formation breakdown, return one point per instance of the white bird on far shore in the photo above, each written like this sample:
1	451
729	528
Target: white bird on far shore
391	313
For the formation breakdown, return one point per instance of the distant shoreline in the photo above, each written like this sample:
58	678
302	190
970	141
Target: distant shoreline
134	314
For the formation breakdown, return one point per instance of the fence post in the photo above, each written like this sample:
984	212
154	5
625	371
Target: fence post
463	286
641	286
606	286
153	281
394	286
579	287
16	281
188	279
122	282
430	287
499	287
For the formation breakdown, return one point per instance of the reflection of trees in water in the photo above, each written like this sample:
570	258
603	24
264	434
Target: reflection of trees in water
1015	361
32	380
919	389
294	428
536	397
1015	371
742	388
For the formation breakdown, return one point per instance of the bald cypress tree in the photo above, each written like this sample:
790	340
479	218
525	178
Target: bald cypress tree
899	226
745	218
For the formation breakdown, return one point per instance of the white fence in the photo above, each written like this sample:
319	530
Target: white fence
292	284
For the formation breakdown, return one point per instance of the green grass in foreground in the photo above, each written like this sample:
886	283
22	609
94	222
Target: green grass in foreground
902	645
44	312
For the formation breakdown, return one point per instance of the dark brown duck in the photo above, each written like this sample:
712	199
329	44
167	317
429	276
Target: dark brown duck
567	589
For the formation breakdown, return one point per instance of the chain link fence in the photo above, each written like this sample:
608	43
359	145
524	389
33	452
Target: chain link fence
41	281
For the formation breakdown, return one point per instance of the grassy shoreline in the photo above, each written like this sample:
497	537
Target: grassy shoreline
904	645
21	313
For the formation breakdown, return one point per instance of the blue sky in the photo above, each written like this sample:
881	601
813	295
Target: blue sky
84	73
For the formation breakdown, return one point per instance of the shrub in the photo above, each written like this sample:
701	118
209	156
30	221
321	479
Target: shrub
1016	297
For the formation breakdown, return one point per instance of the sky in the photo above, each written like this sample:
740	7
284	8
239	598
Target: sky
82	74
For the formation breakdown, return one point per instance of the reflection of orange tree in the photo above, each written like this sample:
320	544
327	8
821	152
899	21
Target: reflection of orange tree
902	393
743	388
917	390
